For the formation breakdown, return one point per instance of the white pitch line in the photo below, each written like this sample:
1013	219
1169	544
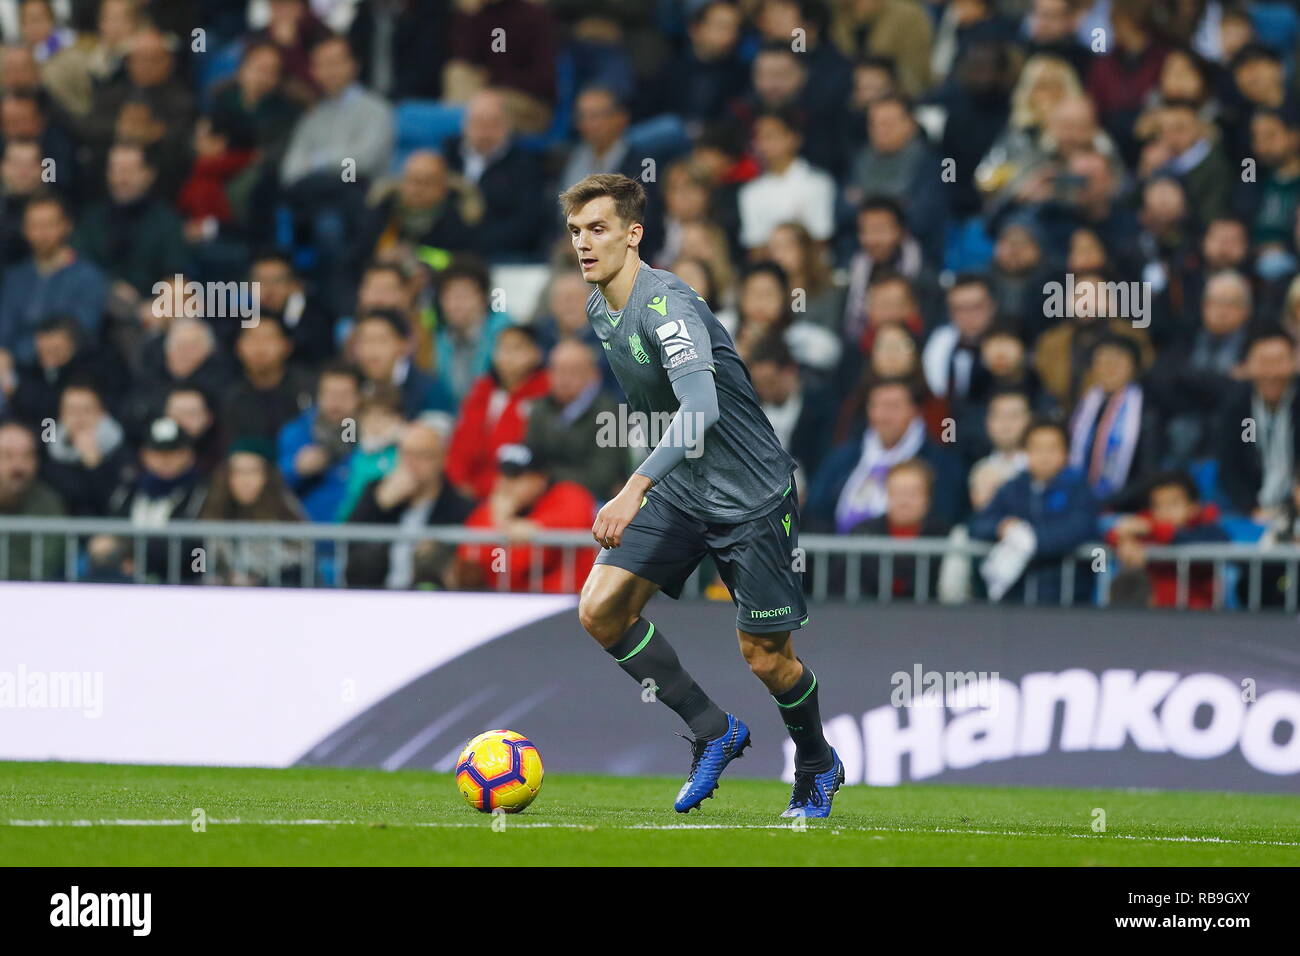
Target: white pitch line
541	825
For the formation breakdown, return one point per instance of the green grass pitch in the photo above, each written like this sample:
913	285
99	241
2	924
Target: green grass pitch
70	814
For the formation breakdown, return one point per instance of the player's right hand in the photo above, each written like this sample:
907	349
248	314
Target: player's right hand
614	517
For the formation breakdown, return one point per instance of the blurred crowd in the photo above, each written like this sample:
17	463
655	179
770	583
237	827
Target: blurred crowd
1016	271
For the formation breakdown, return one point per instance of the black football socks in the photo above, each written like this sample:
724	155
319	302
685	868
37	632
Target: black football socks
803	721
650	660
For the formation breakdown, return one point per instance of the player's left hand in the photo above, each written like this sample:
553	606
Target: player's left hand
614	517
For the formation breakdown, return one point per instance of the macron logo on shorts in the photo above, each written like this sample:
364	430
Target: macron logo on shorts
677	343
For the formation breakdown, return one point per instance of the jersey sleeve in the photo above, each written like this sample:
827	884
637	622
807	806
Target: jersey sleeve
674	327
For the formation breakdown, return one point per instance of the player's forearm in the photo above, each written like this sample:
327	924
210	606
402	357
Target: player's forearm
685	434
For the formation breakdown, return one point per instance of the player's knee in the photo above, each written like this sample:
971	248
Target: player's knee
764	662
603	617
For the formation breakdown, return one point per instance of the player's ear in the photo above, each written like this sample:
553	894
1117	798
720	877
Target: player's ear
634	234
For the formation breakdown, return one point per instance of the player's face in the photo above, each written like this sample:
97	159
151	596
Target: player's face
601	239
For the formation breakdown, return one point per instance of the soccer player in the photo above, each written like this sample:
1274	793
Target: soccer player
718	482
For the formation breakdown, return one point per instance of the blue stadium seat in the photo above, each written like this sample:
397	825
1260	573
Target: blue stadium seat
968	247
1205	473
219	65
424	124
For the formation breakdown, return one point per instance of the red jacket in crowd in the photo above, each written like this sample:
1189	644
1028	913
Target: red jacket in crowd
565	505
204	193
489	418
1163	575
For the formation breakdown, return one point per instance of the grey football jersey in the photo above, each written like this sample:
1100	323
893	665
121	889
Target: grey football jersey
739	469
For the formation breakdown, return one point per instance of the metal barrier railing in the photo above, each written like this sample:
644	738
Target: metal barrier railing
317	555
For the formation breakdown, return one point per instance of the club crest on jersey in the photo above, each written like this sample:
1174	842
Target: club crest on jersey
638	353
677	343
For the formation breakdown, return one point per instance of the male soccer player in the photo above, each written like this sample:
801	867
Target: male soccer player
718	482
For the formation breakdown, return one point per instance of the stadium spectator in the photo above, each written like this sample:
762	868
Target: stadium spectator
1258	441
909	488
802	417
765	309
247	487
1003	353
953	366
340	145
413	495
1284	529
1049	30
1008	415
381	343
898	162
1174	515
270	393
428	207
526	499
185	354
780	84
149	103
1114	432
790	189
687	194
570	425
850	485
295	31
313	450
891	299
884	245
61	356
1063	353
601	120
563	313
25	115
380	424
1038	517
495	411
829	74
73	73
468	331
806	267
896	29
1184	148
1190	378
135	238
88	455
1119	81
23	494
525	78
509	179
191	409
255	97
700	81
1016	274
401	46
54	279
283	297
223	150
20	179
165	487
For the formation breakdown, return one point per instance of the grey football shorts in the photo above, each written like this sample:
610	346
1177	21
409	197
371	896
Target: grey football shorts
755	558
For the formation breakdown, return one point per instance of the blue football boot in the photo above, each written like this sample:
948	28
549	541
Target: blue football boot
813	792
708	759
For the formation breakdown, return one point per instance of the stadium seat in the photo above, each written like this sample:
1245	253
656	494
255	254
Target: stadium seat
968	247
220	65
424	124
522	286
